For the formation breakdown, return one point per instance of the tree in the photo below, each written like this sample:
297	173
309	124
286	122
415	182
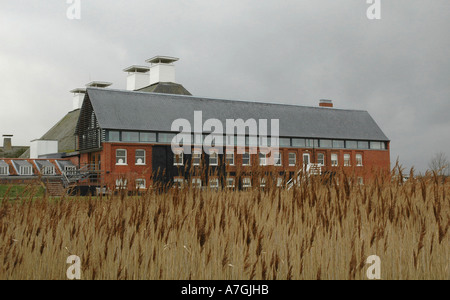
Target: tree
440	164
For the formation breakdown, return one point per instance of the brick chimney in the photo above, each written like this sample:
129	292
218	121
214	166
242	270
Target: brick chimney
326	103
7	144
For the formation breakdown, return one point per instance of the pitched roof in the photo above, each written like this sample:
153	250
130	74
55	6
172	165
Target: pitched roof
63	132
125	110
166	88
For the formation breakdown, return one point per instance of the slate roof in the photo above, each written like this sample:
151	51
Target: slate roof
166	88
126	110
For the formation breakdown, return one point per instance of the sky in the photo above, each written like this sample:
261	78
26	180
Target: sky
294	52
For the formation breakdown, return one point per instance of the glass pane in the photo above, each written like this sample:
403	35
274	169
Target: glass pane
325	144
375	145
129	136
121	153
338	144
298	143
363	145
166	137
310	143
114	136
285	142
148	137
351	145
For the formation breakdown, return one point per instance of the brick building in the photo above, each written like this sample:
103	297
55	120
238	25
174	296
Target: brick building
123	137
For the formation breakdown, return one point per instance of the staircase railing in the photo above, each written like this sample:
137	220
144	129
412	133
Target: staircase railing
307	171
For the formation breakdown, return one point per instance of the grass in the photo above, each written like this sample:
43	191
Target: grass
14	191
313	231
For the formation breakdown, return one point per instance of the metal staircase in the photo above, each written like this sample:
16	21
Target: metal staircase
305	172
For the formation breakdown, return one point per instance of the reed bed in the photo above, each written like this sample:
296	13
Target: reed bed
317	230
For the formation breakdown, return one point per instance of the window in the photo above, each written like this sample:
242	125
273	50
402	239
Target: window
326	144
305	159
279	182
140	184
377	145
246	159
277	161
129	136
363	145
140	157
214	183
262	159
292	159
338	144
114	136
196	158
121	157
147	137
360	181
178	158
213	158
298	143
4	168
246	182
166	137
70	170
321	159
285	142
178	183
347	160
334	160
121	184
359	160
351	144
197	183
26	170
229	159
48	170
310	143
262	182
231	182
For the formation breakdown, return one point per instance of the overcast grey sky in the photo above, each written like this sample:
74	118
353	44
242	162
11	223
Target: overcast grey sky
296	52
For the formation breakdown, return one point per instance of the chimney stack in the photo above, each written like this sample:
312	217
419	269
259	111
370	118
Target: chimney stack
7	144
138	77
326	103
162	69
78	97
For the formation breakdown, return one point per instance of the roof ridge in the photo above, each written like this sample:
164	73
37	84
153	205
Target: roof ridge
228	100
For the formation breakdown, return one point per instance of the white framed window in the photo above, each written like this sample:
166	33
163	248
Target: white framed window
334	160
246	161
279	181
196	158
360	181
121	157
26	170
292	159
213	158
48	170
262	182
278	159
262	159
306	160
246	182
4	170
141	184
121	184
214	183
197	183
359	160
321	159
70	170
178	183
178	158
347	160
140	157
229	158
231	182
